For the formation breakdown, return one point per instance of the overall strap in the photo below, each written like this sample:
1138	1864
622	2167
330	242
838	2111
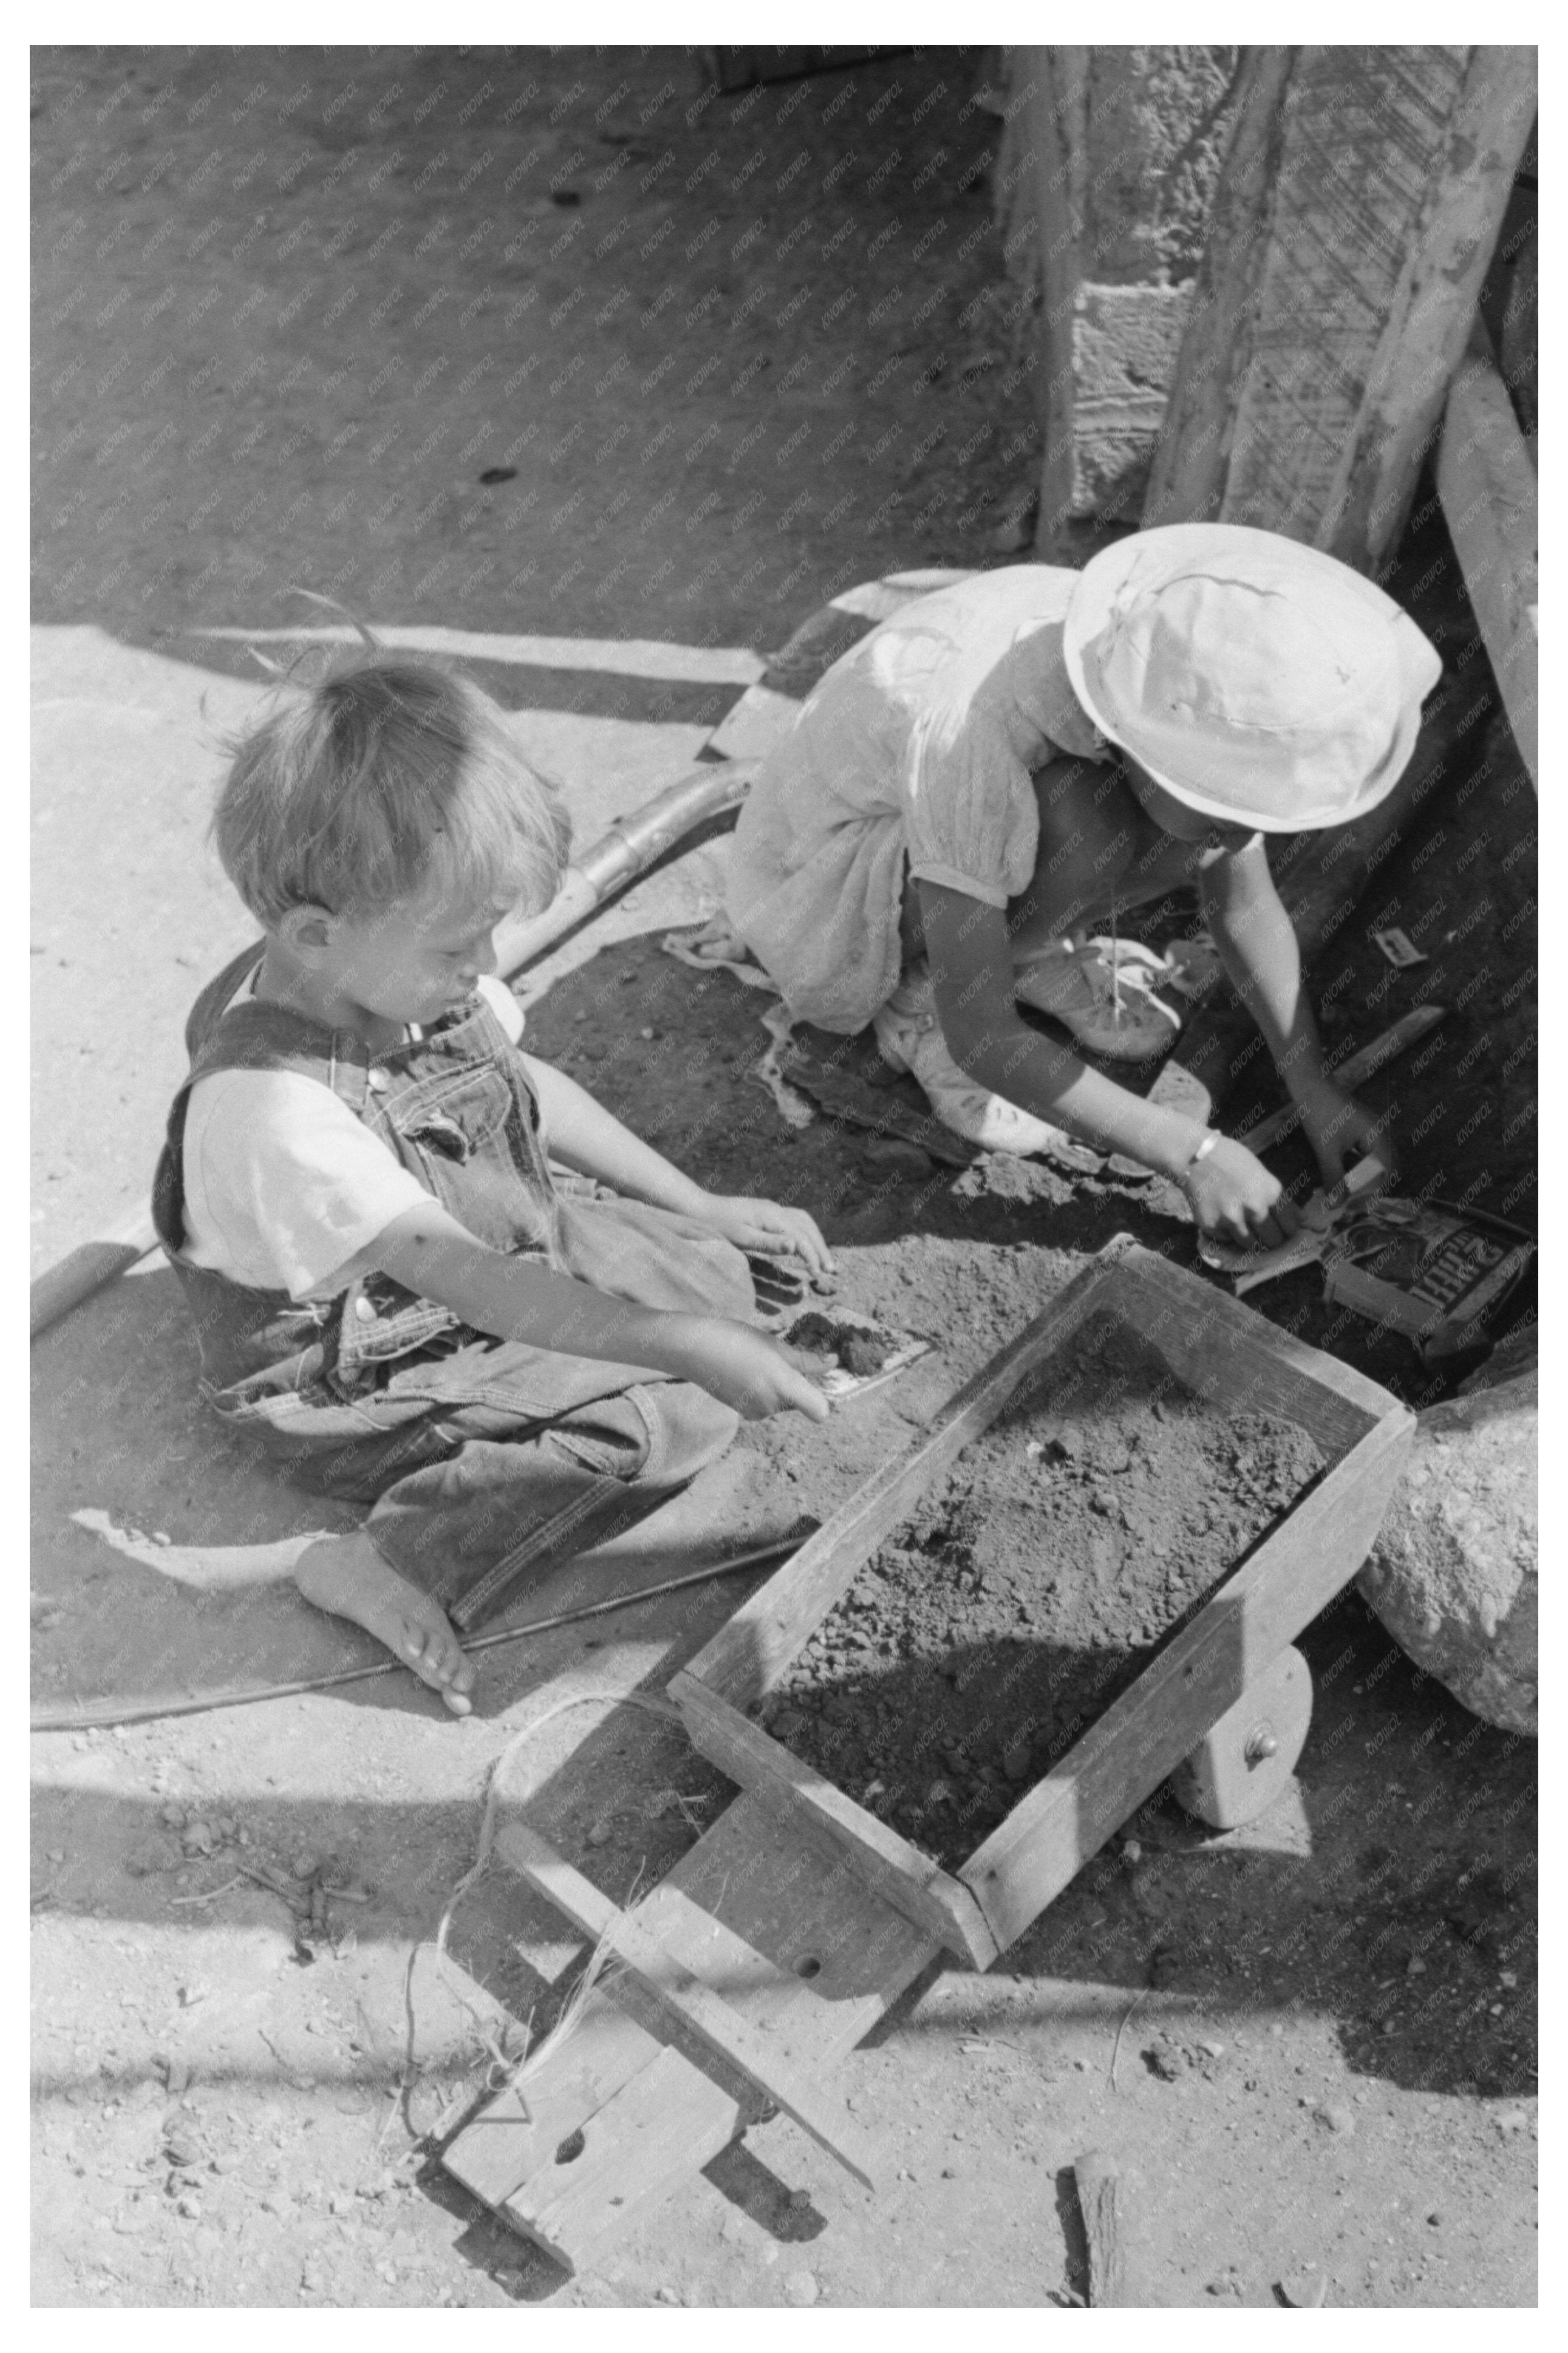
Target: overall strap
252	1036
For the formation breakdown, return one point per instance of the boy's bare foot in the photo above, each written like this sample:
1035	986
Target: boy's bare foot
347	1576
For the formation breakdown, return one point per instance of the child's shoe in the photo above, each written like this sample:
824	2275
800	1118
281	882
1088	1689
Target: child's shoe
1109	1006
910	1035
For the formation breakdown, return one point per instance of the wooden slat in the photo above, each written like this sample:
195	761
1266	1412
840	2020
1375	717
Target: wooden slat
752	1649
1350	1072
643	2137
87	1269
1487	484
1131	1749
1228	1354
786	1901
697	2005
1352	227
904	1877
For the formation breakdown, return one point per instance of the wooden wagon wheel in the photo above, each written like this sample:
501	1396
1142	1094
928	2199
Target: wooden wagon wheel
1239	1768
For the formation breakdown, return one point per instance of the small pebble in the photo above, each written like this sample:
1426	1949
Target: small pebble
1511	2120
1338	2117
304	1865
600	1835
800	2288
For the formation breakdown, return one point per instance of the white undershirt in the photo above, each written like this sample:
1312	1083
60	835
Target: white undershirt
285	1186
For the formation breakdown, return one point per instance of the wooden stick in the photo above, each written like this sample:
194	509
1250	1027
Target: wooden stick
1487	484
684	1997
1103	2202
154	1705
1386	1047
87	1269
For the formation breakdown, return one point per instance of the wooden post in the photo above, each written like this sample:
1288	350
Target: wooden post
1356	216
1108	161
1487	483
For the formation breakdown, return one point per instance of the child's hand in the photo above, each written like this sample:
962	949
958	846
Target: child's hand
744	1370
769	1227
1235	1199
1341	1131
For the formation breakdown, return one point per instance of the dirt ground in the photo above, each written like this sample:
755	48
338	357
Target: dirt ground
727	355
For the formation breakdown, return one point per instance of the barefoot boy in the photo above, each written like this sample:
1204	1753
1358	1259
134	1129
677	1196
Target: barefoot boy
398	1290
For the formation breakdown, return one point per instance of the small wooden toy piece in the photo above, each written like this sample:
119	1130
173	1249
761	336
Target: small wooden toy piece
1245	1760
1104	2196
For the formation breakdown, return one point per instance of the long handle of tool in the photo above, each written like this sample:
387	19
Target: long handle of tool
87	1269
632	844
156	1705
1386	1047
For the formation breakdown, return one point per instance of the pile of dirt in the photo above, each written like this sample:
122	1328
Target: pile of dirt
1029	1589
861	1349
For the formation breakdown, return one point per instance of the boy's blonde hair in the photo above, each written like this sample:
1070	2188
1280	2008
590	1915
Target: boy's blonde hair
386	776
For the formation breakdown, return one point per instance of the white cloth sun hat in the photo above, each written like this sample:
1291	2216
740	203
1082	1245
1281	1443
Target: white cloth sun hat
1259	681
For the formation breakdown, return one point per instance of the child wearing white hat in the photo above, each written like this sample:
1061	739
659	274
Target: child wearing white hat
1034	751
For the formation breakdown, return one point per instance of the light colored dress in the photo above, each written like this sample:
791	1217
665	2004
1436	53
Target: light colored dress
912	757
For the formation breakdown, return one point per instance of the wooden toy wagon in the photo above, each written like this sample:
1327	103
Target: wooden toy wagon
779	1939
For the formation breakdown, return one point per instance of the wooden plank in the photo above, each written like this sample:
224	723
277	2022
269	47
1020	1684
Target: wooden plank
904	1877
752	1649
1353	223
631	2147
838	1957
1187	482
1488	487
1104	2203
516	2136
1227	1352
698	2005
1131	1749
87	1269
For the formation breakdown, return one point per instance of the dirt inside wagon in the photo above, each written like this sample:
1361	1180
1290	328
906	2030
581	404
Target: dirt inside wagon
1093	1519
1317	2036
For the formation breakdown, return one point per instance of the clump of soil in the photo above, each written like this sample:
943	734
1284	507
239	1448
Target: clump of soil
858	1347
1032	1587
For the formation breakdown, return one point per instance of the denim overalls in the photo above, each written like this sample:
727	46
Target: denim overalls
486	1459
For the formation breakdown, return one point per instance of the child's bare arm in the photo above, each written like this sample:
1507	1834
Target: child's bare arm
1258	942
429	1252
583	1135
971	961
